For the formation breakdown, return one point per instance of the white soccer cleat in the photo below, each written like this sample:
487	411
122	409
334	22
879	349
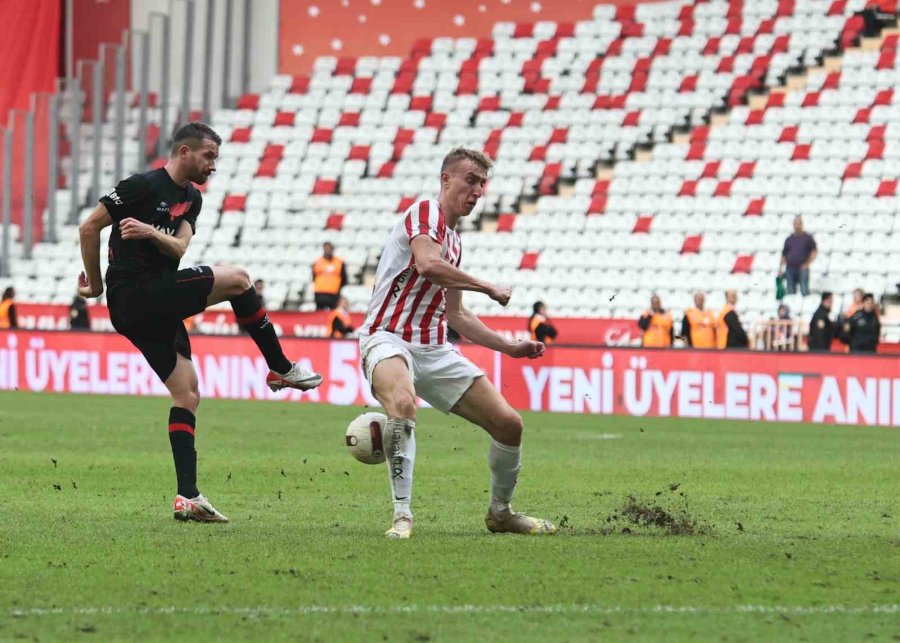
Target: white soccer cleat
198	509
510	522
297	377
401	527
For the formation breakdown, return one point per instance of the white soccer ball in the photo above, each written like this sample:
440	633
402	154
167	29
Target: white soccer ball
365	438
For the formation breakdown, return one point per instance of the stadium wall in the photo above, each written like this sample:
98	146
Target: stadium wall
785	387
313	28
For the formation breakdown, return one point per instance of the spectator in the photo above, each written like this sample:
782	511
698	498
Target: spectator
862	331
329	276
78	314
339	322
540	326
798	253
729	332
784	332
657	325
698	328
821	328
856	304
259	286
8	317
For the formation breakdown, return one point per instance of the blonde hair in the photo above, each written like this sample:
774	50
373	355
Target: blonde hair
480	159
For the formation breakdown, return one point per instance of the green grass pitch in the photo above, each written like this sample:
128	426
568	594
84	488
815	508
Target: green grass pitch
797	530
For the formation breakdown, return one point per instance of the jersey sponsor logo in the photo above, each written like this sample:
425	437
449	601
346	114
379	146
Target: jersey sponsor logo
399	285
165	230
113	196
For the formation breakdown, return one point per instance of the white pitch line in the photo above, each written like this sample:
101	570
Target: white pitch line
304	610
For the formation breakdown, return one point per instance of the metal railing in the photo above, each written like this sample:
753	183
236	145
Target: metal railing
85	90
779	335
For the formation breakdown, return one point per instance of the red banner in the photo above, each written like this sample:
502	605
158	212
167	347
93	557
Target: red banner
604	332
786	387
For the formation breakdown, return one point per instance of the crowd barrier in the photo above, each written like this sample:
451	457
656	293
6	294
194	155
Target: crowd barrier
787	387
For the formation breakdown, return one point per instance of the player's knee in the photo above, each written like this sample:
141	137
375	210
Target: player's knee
243	278
189	399
236	281
509	427
404	405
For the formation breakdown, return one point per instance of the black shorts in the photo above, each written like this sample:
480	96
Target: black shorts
326	301
149	312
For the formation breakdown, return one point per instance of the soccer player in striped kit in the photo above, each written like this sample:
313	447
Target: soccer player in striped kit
405	353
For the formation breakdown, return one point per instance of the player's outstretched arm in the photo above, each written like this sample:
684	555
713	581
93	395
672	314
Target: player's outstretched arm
469	326
90	282
431	265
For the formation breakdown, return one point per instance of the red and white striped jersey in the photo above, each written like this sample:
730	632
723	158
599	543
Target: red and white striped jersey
403	301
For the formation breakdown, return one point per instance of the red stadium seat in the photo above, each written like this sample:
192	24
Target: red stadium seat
405	202
529	261
887	187
506	222
755	207
359	153
248	101
321	135
642	224
691	244
240	135
743	264
349	119
235	202
284	119
335	221
361	86
325	186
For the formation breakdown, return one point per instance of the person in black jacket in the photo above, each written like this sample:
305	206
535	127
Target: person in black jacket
821	328
863	329
78	314
730	333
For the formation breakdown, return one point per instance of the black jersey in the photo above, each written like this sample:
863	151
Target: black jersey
153	198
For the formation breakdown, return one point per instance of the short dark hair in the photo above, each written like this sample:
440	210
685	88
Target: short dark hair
869	295
193	134
9	293
536	307
826	295
480	159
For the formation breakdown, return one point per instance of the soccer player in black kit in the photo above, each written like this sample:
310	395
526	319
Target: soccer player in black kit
154	217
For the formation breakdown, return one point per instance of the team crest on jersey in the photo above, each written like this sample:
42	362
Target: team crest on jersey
178	210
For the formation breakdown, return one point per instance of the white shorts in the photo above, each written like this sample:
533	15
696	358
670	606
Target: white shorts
440	375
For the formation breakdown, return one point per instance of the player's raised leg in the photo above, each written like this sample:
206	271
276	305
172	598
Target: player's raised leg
483	405
189	503
392	385
233	285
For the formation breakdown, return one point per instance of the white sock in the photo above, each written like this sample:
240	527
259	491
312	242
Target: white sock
400	443
505	462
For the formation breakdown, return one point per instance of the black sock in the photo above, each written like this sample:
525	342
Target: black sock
252	317
181	437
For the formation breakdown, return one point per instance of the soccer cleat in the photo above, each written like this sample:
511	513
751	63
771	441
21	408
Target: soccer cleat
511	522
297	377
401	527
198	509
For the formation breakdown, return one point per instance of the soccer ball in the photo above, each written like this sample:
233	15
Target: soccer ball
365	438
